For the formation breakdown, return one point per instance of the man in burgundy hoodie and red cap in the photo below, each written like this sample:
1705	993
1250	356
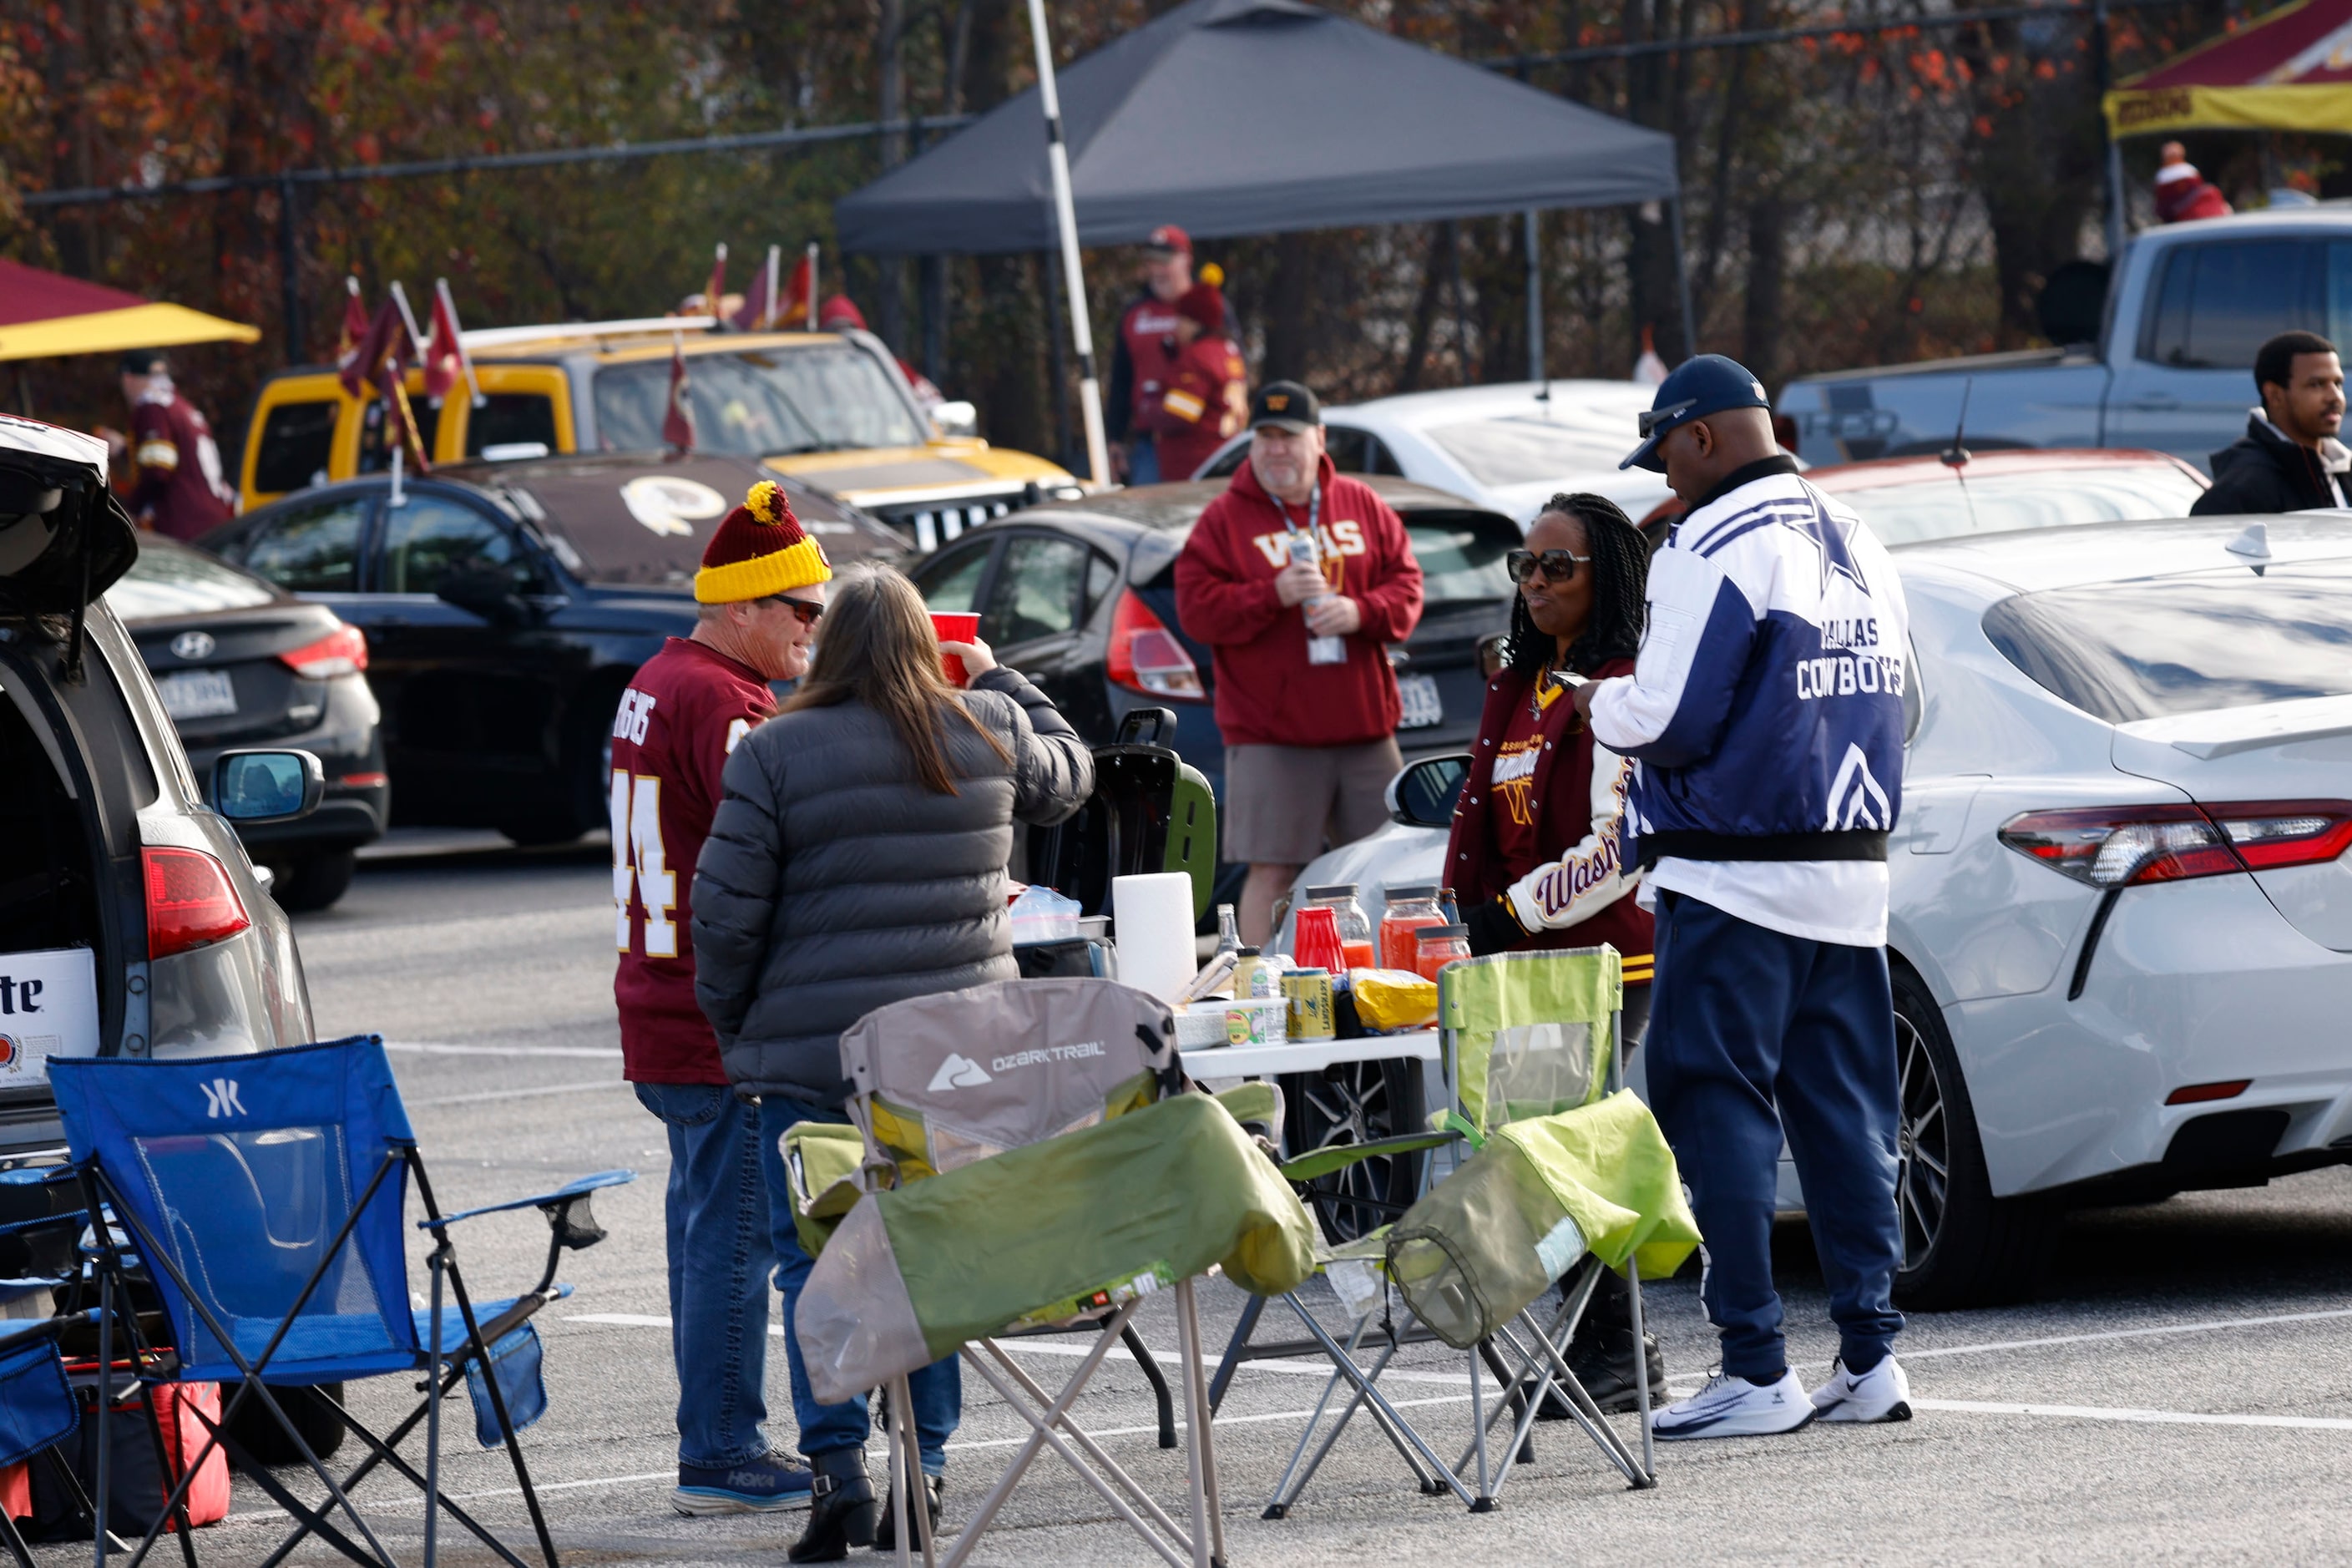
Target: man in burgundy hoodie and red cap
1299	578
1206	399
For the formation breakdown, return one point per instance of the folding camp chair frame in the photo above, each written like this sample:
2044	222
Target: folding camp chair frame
572	1227
1542	1371
1202	1545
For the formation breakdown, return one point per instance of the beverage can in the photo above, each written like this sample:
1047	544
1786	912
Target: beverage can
1307	993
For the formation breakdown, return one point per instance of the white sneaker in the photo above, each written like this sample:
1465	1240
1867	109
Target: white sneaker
1882	1394
1734	1407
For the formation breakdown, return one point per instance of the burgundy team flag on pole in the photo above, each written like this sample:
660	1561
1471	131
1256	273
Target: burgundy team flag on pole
446	359
379	338
760	304
677	420
355	325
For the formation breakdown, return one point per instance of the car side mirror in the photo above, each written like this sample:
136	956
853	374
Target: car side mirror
490	591
1423	796
253	787
955	417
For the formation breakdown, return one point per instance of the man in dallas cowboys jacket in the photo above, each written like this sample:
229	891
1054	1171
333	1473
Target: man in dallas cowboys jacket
1765	719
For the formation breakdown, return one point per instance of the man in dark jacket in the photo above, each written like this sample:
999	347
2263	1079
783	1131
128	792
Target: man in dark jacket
2289	459
1299	578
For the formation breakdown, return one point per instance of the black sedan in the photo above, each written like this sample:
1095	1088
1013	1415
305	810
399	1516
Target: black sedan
1081	597
507	604
240	662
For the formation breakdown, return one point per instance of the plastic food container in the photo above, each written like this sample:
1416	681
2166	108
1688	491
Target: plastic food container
1250	1022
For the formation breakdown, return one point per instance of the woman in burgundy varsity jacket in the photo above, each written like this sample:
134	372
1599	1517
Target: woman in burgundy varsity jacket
1534	855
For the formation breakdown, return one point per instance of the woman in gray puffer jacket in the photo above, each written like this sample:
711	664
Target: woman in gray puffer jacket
858	858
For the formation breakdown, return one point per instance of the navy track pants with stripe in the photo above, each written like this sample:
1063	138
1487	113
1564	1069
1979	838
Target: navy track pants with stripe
1752	1034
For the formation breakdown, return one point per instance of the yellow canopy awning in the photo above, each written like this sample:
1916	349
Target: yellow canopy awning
2287	70
2320	107
119	331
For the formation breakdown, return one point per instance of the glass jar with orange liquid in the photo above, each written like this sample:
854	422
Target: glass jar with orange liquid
1355	926
1437	946
1409	909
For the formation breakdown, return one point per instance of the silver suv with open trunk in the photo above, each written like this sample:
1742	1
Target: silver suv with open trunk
130	920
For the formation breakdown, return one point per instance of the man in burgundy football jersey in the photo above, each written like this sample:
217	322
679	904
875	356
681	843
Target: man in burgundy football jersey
1144	356
180	490
759	595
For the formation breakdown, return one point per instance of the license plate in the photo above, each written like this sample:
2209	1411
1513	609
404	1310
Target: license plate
197	694
1421	706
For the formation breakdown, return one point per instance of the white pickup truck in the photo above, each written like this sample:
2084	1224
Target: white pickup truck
2171	367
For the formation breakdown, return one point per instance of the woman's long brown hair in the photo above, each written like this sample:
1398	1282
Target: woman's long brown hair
877	647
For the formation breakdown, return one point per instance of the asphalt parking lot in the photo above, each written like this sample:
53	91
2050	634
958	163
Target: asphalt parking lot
2180	1391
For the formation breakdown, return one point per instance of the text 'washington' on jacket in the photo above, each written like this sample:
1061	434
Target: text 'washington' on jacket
1267	692
834	882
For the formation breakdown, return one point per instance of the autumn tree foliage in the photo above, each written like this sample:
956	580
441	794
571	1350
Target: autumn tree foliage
1890	188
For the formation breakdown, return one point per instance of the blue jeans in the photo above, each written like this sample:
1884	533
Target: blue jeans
719	1260
1143	462
1752	1033
937	1390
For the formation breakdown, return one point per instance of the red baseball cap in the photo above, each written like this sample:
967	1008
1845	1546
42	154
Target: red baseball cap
1170	240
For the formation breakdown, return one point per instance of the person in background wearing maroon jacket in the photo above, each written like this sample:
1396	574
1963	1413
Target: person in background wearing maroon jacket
180	491
1535	858
1143	359
1298	577
1207	397
758	598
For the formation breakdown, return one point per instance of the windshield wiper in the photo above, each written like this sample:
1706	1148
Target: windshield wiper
807	446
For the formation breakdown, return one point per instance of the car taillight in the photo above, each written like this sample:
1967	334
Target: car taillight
2118	846
343	651
190	900
1145	656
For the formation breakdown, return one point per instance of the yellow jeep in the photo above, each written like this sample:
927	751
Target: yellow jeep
832	409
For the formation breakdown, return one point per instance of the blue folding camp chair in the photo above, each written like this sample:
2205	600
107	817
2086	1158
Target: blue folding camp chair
262	1199
38	1411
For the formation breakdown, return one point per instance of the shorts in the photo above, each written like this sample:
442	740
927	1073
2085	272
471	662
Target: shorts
1283	803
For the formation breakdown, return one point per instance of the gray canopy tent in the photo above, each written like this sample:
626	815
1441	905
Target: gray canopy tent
1245	117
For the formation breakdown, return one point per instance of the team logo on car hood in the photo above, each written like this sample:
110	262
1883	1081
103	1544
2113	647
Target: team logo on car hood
194	645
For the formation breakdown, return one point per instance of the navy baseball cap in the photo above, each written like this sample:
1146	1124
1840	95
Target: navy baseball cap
1707	384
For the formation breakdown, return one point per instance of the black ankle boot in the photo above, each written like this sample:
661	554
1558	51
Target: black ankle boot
842	1514
886	1523
1606	1364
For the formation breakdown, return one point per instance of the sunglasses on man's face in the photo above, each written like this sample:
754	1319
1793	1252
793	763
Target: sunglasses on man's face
807	611
1557	566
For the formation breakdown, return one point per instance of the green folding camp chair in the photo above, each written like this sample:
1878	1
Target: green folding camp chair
1556	1166
1026	1159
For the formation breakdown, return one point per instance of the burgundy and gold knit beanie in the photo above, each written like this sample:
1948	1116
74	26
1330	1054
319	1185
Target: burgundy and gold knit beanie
760	549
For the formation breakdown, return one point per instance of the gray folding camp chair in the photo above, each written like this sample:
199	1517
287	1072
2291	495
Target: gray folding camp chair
1021	1141
1562	1170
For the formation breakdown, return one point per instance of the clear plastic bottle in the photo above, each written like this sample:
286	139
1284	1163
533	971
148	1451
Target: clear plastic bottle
1409	909
1355	927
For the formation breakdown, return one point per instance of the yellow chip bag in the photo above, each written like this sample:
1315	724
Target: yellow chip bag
1393	998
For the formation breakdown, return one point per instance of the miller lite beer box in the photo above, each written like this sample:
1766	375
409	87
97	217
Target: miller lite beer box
48	1007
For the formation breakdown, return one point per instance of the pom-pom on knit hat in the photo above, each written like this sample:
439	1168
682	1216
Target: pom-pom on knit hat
758	550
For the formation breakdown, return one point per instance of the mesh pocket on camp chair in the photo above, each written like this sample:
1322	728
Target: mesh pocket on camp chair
1488	1241
1539	1069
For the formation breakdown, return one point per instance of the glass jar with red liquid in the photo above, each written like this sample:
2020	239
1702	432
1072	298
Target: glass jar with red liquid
1437	946
1355	926
1409	909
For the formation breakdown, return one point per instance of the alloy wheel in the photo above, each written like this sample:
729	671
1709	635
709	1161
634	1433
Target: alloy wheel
1922	1171
1349	1103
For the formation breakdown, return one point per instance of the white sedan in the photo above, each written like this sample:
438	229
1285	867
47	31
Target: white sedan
2121	933
1510	447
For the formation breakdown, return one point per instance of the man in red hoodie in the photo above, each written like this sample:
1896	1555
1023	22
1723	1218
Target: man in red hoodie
1299	578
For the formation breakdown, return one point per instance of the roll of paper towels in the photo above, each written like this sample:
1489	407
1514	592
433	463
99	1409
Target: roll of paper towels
1153	919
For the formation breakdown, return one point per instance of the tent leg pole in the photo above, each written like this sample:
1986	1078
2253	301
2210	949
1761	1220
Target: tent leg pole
1052	267
1535	297
289	271
1681	276
1066	216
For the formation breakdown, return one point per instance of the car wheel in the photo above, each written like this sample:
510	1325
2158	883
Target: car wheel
583	799
1356	1102
315	881
1962	1246
310	1410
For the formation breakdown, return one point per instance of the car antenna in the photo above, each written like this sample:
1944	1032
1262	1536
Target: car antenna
1956	455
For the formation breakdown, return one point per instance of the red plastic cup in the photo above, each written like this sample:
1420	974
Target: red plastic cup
953	625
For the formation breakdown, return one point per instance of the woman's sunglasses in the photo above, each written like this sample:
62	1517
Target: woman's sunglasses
1557	566
807	611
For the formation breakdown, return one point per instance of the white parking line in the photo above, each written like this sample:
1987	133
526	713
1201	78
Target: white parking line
435	1049
515	1093
2158	1417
